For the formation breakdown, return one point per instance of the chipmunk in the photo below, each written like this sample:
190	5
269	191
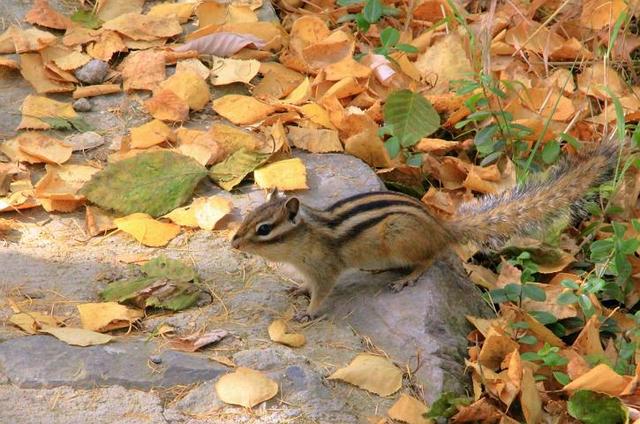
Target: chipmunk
388	230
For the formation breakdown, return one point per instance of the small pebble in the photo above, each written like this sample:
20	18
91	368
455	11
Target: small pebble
84	141
155	359
82	105
93	72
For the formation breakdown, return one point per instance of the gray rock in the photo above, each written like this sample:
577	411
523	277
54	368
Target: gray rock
43	361
82	105
65	405
85	141
93	72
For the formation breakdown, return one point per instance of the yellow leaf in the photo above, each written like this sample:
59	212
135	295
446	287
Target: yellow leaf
181	11
232	138
34	107
530	398
107	316
496	346
63	182
77	336
226	71
445	61
371	372
147	230
278	333
601	379
299	94
190	87
204	212
245	387
43	147
408	409
32	321
149	134
317	114
315	140
242	110
289	174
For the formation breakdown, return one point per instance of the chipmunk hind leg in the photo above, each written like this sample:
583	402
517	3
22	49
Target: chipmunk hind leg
412	277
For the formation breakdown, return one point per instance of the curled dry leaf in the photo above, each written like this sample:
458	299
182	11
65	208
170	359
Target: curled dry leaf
107	316
43	147
495	348
147	230
204	212
227	71
408	409
42	14
33	70
31	322
190	87
196	341
77	336
242	110
221	44
278	333
30	39
152	133
245	387
289	174
193	65
373	373
98	221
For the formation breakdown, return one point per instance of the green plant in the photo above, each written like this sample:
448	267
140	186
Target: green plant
372	12
389	38
408	117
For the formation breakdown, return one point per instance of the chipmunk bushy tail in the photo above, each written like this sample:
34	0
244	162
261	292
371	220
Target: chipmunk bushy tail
531	207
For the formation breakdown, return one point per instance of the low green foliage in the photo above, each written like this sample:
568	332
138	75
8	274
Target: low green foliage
596	408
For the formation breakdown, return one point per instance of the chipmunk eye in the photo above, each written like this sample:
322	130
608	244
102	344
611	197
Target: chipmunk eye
263	229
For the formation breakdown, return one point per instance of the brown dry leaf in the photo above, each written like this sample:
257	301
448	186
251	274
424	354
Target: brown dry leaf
532	36
35	107
11	149
144	27
109	9
33	70
77	336
181	11
143	70
42	14
480	411
300	94
245	387
193	65
167	106
31	322
232	138
106	45
598	14
368	146
495	348
289	174
204	212
96	90
147	230
201	153
30	40
315	140
196	341
332	49
152	133
63	182
8	63
549	104
447	60
480	275
513	314
373	373
242	110
410	410
43	147
317	114
227	71
220	43
601	379
593	80
107	316
588	341
530	398
344	68
278	81
278	333
550	304
435	145
98	221
190	87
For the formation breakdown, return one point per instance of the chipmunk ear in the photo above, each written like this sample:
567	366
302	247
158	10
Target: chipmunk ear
273	194
292	205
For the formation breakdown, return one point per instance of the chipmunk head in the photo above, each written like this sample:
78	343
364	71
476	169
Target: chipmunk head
265	228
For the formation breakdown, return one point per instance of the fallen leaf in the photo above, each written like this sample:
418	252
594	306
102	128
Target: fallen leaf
30	39
35	107
242	110
77	336
106	45
107	316
278	81
193	65
151	182
181	11
143	70
317	114
33	70
232	138
43	147
315	140
96	90
221	44
495	348
598	14
167	106
227	71
204	212
152	133
373	373
230	172
196	341
289	174
368	146
31	322
42	14
190	87
600	379
278	333
147	230
144	27
245	387
410	410
109	9
443	62
98	221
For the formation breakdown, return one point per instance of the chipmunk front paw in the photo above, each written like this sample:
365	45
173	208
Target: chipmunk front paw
400	284
298	291
302	316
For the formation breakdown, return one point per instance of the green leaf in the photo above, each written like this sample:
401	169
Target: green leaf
550	152
561	378
66	124
586	305
230	172
163	267
567	298
150	182
389	37
596	408
534	292
372	11
345	3
528	339
362	23
530	356
543	317
446	405
87	18
411	116
570	284
347	18
407	48
415	160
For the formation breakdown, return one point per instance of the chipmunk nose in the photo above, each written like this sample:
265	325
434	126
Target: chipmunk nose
235	242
